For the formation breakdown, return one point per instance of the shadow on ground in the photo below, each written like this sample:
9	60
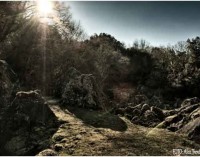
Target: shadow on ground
99	119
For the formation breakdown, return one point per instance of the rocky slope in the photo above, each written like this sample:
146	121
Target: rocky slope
185	119
87	132
80	125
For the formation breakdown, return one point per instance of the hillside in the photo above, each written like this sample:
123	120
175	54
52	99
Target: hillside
63	92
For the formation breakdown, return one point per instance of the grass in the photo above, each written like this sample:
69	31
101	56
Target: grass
93	133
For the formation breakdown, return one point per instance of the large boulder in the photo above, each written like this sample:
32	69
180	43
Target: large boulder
159	113
26	125
144	108
7	83
192	129
82	91
173	119
173	122
149	115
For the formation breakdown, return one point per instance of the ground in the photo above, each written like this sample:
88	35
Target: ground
87	132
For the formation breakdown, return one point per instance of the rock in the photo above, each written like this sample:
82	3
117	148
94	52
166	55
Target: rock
145	107
78	137
173	119
129	109
168	113
149	119
176	126
195	114
175	122
71	151
64	140
191	101
33	107
25	124
158	112
188	109
139	106
58	137
192	129
47	152
142	114
136	112
186	119
135	119
82	91
149	114
58	147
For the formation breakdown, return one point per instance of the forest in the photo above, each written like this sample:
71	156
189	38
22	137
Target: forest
65	93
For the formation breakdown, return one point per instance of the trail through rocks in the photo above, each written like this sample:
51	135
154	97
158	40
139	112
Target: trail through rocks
88	132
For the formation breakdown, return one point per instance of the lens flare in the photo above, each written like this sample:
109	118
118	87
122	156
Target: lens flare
45	7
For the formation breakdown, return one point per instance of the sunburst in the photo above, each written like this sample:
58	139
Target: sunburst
45	7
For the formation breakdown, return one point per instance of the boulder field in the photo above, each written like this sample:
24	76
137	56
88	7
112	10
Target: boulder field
184	120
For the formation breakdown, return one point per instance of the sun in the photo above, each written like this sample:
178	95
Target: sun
45	7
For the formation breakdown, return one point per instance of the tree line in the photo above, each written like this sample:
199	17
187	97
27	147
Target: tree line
170	73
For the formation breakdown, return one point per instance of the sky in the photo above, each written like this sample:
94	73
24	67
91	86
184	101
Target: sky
160	23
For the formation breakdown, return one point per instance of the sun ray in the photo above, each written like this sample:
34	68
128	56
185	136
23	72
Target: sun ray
44	7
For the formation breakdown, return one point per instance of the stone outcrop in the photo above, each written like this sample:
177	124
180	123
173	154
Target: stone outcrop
185	120
26	125
192	129
82	91
142	114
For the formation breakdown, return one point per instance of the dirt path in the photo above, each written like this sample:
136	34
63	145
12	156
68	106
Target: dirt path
86	132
